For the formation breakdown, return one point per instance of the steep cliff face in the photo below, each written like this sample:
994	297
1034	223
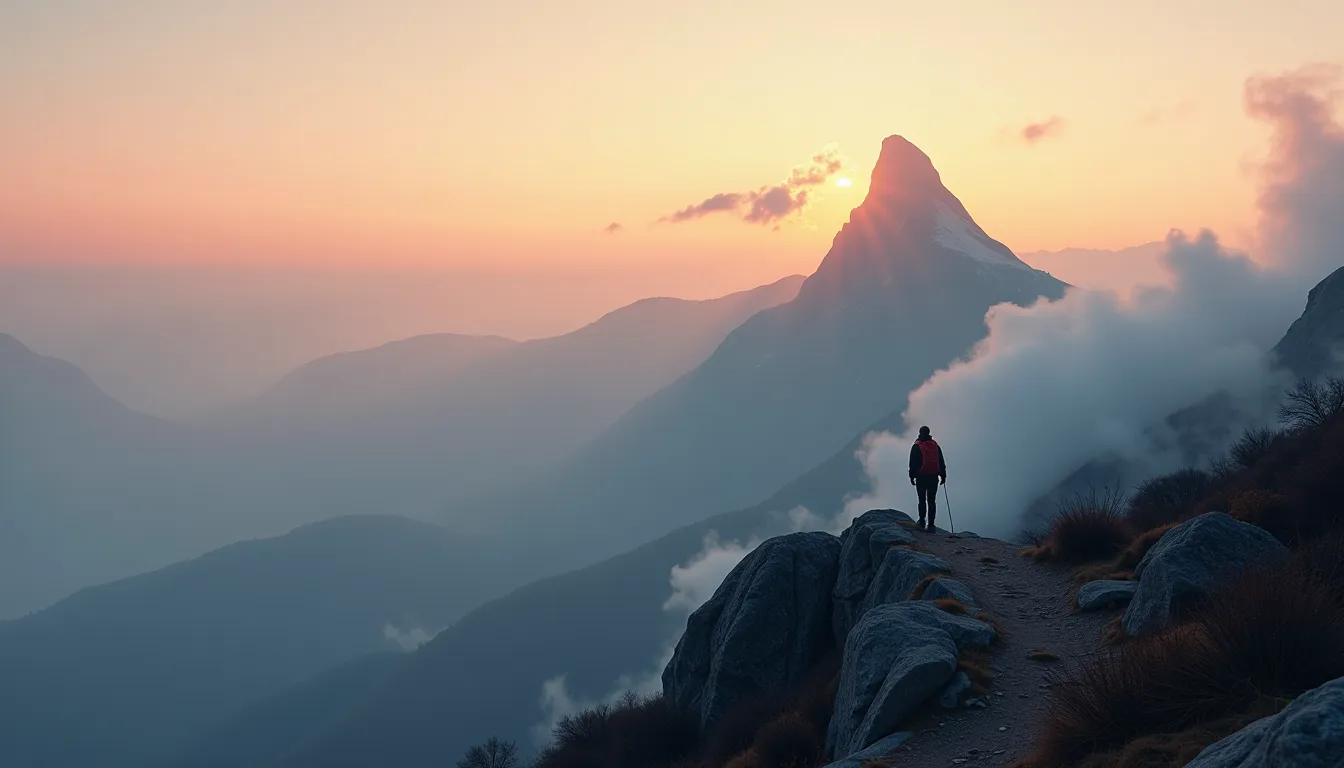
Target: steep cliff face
1314	344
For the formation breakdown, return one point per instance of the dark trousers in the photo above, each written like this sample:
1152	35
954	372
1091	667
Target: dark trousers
928	493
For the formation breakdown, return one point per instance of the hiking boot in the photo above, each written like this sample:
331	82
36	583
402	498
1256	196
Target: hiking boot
920	524
931	528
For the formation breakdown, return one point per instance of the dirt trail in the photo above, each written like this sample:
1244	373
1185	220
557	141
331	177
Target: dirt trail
1032	604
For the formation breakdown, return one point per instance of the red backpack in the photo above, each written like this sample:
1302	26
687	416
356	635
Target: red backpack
929	453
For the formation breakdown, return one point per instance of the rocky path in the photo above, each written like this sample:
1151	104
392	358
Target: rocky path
1031	604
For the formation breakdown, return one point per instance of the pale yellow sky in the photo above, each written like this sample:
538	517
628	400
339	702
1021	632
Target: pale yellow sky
512	132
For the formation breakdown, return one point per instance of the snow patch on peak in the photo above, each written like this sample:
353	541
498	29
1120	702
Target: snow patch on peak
954	232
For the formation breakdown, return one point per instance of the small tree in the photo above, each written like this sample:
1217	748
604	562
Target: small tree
492	754
1311	403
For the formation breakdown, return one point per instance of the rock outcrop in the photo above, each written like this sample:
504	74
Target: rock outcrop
901	571
864	546
1308	734
893	663
1099	595
874	753
796	597
900	655
1188	561
763	630
940	589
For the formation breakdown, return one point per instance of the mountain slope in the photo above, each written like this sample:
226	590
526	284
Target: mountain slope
68	452
902	293
1314	344
121	674
332	387
496	412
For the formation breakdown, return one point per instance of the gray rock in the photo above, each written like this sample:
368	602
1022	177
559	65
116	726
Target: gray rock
893	663
865	543
1189	560
965	631
1096	595
950	698
950	588
878	751
763	629
900	572
1308	734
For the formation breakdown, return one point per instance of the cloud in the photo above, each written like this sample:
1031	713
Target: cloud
407	639
769	204
1033	133
1059	383
613	228
1301	197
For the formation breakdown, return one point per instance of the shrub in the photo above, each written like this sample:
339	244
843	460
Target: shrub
1263	638
1167	499
1089	527
1254	445
790	741
1310	404
494	753
636	731
735	738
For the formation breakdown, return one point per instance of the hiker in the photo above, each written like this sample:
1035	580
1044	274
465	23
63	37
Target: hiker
927	467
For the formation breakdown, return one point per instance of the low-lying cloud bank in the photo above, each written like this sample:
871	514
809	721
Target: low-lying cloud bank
1059	383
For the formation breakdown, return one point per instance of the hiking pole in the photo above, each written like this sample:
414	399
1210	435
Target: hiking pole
947	499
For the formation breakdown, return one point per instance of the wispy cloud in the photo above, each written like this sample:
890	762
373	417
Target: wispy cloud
613	228
769	204
1033	133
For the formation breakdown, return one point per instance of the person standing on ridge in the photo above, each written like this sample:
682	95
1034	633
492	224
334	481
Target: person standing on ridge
927	467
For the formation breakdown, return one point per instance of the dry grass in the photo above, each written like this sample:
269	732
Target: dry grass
976	666
1088	528
986	618
952	605
1261	639
918	592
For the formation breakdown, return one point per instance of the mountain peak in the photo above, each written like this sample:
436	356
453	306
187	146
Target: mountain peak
911	231
903	170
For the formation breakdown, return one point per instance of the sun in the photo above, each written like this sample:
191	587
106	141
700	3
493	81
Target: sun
844	181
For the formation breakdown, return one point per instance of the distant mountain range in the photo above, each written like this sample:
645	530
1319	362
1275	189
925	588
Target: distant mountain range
125	673
91	490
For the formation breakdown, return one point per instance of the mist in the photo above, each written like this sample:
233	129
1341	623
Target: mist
1091	375
183	341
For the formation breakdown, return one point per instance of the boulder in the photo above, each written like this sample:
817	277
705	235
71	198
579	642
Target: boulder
901	571
1098	595
1308	734
762	631
893	663
1189	560
865	543
876	752
965	631
950	588
959	685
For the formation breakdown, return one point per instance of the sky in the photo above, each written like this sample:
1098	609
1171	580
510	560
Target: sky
516	132
201	196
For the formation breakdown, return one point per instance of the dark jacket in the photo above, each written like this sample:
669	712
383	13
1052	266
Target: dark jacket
917	460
